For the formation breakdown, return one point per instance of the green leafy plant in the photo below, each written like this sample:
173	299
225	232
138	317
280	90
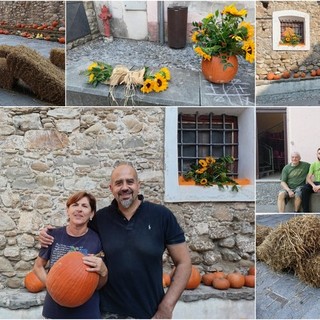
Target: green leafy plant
211	171
98	72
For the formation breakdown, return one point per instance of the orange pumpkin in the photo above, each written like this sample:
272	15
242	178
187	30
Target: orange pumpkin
166	280
195	279
54	23
270	75
69	283
277	77
221	283
252	271
296	75
249	281
302	75
236	280
318	72
286	75
207	278
33	283
62	40
313	73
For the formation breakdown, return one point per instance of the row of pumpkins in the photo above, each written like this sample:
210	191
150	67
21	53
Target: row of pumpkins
78	285
218	280
287	74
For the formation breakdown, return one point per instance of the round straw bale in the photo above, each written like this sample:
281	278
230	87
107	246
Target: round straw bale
261	233
309	271
291	242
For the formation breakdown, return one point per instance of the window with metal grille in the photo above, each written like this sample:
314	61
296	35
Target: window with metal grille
202	135
295	27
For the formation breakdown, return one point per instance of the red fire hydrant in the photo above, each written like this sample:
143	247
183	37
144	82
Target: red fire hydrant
105	16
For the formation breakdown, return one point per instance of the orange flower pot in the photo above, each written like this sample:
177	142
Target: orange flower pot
213	70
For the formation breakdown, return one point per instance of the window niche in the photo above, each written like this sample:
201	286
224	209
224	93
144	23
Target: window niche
291	30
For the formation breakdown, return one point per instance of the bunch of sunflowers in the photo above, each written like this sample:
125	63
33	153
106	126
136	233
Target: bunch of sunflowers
156	82
288	36
224	33
98	72
211	171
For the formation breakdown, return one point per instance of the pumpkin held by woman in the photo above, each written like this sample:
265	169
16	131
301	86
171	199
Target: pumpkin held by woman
69	283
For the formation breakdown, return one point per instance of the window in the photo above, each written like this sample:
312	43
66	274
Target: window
191	132
291	30
202	135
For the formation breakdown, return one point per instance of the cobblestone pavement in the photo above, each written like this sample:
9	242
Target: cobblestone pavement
139	53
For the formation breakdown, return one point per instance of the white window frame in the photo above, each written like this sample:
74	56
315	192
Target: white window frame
246	166
276	29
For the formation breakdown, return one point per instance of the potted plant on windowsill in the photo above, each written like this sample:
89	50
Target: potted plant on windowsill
219	38
212	171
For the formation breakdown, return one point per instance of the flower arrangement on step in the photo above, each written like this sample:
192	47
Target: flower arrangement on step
289	37
143	79
224	34
212	171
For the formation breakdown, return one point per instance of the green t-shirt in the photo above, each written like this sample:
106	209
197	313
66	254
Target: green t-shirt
315	170
295	176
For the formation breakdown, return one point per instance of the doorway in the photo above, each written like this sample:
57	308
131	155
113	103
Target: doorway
271	143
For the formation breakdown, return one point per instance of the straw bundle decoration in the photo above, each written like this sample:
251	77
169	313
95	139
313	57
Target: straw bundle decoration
291	243
261	233
5	50
7	80
58	57
44	78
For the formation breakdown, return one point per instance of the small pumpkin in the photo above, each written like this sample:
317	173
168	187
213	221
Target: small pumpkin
313	73
54	23
221	283
69	283
252	271
61	40
270	75
33	283
207	278
318	72
236	280
166	280
286	75
277	77
194	279
302	75
249	281
296	75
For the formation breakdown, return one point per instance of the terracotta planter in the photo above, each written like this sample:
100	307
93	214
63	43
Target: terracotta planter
213	70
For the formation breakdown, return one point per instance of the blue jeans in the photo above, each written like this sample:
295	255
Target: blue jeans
306	193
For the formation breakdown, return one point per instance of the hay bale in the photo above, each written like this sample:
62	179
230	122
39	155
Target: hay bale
7	80
309	271
289	244
5	50
57	57
261	233
44	78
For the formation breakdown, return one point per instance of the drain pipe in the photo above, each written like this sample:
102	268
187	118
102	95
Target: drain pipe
161	21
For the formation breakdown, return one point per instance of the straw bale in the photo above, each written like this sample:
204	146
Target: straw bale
57	57
7	80
5	50
291	242
309	271
261	233
44	78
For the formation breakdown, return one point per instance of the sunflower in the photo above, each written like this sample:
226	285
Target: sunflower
91	77
147	86
234	11
166	73
201	53
203	181
160	83
249	47
202	170
92	65
194	37
249	27
210	160
203	163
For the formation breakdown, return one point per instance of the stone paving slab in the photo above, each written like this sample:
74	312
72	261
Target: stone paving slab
183	90
19	96
186	88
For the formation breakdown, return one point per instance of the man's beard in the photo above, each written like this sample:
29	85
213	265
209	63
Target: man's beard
126	203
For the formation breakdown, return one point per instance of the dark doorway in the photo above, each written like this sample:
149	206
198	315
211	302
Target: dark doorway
271	142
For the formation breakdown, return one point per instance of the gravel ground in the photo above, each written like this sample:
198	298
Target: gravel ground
137	53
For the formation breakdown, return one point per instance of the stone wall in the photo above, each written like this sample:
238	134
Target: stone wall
29	12
278	61
48	153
